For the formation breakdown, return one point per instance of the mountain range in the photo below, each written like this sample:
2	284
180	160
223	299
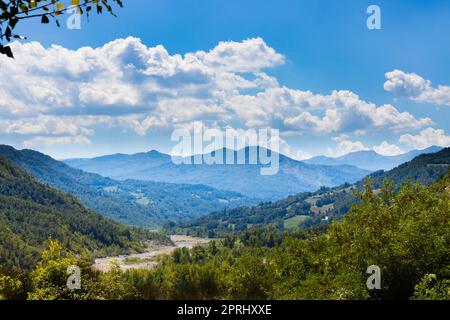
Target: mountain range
370	160
293	176
137	203
313	208
32	210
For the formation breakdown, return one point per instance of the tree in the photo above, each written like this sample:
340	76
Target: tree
50	275
251	277
14	11
9	287
430	288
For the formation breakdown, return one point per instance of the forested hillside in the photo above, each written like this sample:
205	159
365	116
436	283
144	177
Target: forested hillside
137	203
312	208
424	169
405	233
31	213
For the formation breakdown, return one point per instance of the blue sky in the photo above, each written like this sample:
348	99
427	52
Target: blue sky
325	46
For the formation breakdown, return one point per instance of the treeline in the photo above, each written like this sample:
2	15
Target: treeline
405	233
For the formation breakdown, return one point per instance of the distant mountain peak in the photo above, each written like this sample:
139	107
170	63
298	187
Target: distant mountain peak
234	174
371	160
155	153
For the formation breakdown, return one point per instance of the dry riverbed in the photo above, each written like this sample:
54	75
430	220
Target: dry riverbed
148	259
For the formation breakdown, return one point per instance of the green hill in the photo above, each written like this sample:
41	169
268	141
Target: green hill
31	213
322	206
424	169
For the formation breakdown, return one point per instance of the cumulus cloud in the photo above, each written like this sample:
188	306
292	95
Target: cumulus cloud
426	138
387	149
60	93
414	87
344	111
49	125
345	146
247	56
45	142
286	149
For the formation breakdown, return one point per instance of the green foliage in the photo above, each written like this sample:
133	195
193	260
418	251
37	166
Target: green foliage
430	288
113	285
241	219
49	278
405	233
13	12
251	277
9	287
424	169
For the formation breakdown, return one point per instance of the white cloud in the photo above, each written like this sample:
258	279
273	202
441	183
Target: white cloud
303	111
48	125
426	138
45	142
387	149
125	84
107	93
251	55
286	149
345	146
301	155
414	87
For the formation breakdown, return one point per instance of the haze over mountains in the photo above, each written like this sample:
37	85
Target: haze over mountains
138	203
179	193
293	176
370	160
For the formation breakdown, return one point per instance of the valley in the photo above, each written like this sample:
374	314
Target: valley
252	153
149	258
266	251
323	206
137	203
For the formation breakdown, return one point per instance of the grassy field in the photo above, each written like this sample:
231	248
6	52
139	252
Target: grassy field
293	222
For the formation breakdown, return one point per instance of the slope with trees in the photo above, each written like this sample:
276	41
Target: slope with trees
31	213
322	206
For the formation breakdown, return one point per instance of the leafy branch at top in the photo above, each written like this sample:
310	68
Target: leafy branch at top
12	12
